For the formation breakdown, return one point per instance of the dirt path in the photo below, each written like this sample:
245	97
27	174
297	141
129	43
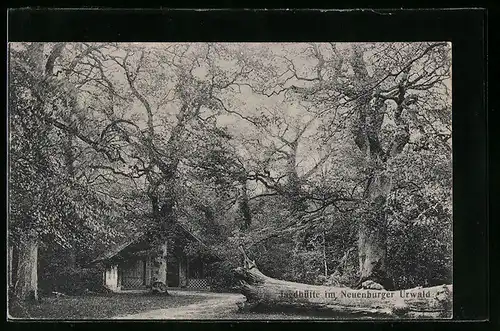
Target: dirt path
215	305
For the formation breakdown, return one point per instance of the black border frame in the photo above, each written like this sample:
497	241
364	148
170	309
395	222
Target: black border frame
465	28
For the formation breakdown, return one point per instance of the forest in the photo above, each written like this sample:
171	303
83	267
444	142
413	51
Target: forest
326	164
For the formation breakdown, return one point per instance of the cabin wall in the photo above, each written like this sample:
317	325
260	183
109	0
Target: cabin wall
149	270
111	280
178	271
133	273
196	276
199	283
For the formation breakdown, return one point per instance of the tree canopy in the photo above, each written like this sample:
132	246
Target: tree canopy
290	149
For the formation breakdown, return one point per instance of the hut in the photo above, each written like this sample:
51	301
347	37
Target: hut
140	261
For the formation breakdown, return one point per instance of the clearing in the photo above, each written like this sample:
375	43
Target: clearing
99	306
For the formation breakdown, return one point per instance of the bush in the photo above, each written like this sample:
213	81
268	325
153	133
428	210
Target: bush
71	281
420	254
222	276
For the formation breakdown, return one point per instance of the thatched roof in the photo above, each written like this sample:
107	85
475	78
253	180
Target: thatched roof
136	237
115	250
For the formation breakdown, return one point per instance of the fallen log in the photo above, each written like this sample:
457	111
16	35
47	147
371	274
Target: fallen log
265	292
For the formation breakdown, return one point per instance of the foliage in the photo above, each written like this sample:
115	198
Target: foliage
70	280
420	255
272	147
222	277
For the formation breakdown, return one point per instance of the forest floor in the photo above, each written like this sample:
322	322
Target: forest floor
180	305
213	305
218	306
103	306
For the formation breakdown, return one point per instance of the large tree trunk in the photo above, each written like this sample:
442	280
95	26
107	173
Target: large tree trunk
69	159
212	227
372	238
293	185
162	217
242	208
372	234
26	286
367	127
262	291
162	260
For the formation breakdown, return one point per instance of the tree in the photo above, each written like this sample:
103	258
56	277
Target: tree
263	291
299	147
386	93
130	130
47	202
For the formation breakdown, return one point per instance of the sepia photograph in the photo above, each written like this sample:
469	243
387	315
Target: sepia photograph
230	181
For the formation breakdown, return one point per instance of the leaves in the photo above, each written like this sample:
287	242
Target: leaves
287	135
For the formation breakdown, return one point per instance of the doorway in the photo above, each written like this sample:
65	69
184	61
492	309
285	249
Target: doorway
173	273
